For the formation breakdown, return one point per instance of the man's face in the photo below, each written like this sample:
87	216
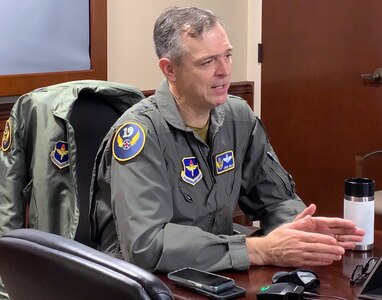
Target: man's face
204	73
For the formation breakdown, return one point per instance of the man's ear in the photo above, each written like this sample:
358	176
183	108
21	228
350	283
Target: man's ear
167	68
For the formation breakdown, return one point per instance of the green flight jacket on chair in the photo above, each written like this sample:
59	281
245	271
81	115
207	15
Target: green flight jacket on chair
38	167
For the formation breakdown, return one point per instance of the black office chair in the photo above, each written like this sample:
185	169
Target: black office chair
92	116
45	266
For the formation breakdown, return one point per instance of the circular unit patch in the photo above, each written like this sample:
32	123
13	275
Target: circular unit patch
128	141
7	136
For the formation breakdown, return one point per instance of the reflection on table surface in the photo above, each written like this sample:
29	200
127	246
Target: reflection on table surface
334	278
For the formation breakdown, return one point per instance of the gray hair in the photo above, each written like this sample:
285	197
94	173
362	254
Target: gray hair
173	22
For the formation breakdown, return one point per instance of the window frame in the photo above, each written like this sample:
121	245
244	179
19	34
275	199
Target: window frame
18	84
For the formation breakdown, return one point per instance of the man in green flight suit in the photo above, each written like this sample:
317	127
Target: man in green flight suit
174	167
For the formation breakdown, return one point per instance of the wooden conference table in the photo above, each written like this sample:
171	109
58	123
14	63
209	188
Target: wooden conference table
334	278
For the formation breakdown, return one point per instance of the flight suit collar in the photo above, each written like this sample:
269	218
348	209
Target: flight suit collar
169	110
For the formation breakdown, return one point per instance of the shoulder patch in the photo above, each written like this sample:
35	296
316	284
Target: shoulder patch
7	136
224	162
128	141
60	154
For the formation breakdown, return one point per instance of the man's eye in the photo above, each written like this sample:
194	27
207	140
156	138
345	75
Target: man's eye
207	62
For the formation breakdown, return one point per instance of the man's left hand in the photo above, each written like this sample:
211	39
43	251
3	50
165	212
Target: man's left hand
344	231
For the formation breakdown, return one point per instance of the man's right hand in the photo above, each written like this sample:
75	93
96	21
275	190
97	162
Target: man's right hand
289	247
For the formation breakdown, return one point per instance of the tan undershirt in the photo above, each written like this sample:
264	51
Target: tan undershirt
202	131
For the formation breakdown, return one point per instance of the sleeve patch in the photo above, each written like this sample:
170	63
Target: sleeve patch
128	141
7	136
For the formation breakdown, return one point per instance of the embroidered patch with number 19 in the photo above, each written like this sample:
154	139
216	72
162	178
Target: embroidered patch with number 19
128	141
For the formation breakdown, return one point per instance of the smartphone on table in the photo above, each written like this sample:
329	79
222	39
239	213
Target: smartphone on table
208	284
204	280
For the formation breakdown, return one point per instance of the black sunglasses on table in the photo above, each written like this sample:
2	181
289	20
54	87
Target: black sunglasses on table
361	272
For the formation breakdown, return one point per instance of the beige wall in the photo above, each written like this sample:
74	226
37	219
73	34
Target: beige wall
254	38
131	57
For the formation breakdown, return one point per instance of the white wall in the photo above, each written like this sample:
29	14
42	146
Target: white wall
131	56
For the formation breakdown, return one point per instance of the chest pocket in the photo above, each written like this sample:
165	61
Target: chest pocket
191	207
283	180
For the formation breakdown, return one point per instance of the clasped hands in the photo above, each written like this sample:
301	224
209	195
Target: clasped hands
307	241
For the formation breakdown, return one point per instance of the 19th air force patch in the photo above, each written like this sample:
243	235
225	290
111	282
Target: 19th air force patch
128	141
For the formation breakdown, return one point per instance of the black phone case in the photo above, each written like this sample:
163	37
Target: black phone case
200	283
235	292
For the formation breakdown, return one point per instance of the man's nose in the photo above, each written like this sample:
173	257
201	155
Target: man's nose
223	67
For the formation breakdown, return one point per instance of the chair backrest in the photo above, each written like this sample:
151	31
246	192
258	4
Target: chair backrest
91	117
44	266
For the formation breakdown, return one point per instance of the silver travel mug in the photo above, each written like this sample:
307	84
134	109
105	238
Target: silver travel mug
359	208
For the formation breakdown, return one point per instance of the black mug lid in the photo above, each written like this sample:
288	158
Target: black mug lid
359	187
